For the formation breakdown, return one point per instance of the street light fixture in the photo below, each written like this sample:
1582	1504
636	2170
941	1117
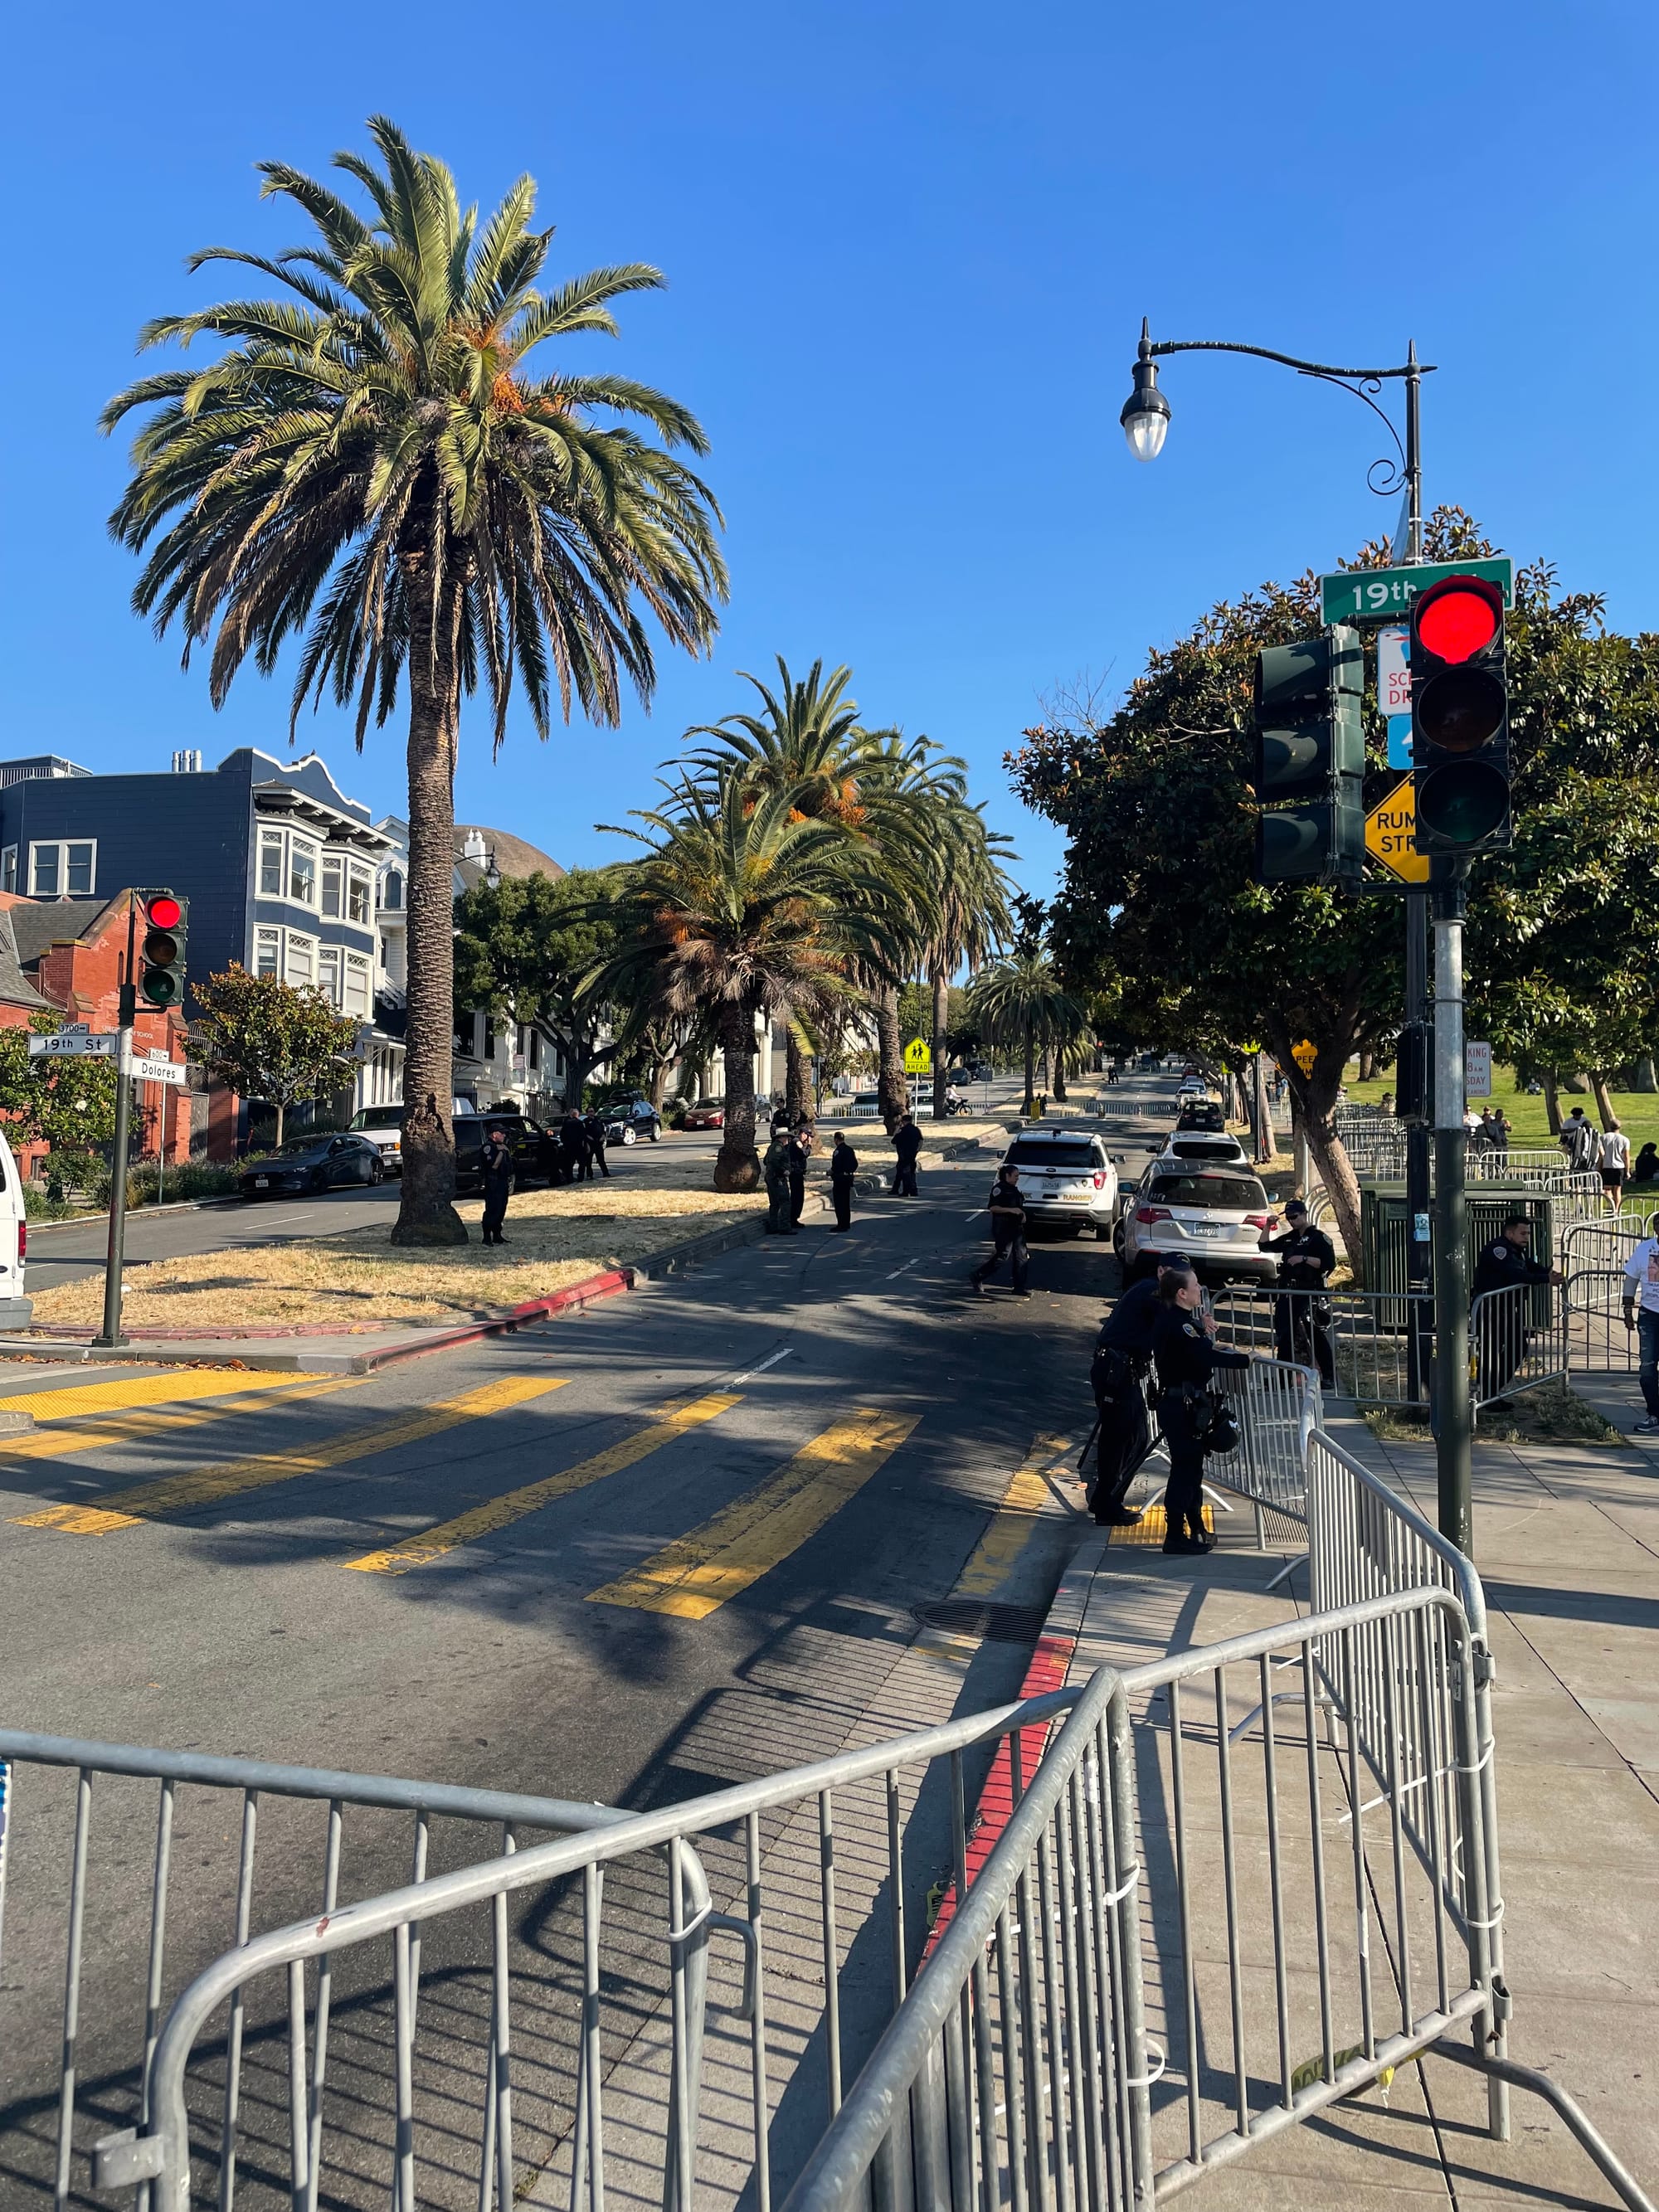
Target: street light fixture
1146	417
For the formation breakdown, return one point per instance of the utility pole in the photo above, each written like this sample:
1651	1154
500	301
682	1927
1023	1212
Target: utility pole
112	1336
1453	1427
1418	1242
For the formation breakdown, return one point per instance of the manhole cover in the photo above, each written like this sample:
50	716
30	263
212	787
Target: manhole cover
969	1616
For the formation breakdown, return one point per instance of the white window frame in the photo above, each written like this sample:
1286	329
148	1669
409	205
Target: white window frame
302	848
359	888
358	1000
298	941
399	905
9	868
272	842
334	867
328	973
62	848
267	947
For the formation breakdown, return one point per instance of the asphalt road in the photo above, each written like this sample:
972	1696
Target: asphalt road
641	1627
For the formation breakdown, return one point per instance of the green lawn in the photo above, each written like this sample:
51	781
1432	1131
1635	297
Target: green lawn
1637	1111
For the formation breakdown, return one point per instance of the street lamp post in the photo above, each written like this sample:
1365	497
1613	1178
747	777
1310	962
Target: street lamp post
1146	420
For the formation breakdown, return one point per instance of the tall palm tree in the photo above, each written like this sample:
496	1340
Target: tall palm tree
1020	1000
969	911
370	464
740	907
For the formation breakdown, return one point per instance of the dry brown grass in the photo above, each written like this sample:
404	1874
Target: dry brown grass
555	1237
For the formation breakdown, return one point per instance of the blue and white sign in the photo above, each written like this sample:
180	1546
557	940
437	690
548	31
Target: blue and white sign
1394	692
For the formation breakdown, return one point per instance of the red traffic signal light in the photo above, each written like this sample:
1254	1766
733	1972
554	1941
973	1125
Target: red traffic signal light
162	978
1457	621
165	911
1460	717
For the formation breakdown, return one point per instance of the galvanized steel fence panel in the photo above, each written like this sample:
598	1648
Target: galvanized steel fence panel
1511	1346
1370	1334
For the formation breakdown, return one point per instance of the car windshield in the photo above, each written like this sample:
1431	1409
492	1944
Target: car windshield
295	1149
1231	1193
377	1117
1028	1153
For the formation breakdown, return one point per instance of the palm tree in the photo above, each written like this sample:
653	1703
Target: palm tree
369	463
969	913
1020	1000
740	907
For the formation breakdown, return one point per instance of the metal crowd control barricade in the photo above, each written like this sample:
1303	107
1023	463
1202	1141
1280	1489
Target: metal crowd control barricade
116	1870
1593	1259
1277	1407
1518	1340
1369	1334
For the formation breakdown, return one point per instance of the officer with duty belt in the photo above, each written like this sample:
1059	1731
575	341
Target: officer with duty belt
1302	1331
1186	1355
1123	1359
1501	1327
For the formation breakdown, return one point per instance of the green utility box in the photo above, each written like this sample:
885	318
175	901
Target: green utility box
1383	1231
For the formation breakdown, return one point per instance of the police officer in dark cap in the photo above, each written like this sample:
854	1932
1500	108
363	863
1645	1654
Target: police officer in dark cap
1302	1331
1122	1358
1500	1330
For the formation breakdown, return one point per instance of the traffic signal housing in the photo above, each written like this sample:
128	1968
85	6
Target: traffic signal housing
1310	760
167	921
1461	717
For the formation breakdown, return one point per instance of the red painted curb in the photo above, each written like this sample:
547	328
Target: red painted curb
590	1287
1048	1670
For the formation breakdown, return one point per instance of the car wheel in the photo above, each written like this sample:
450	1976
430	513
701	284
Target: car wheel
630	1135
1117	1239
319	1180
376	1173
656	1131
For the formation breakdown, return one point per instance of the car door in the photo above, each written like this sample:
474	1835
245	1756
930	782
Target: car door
337	1166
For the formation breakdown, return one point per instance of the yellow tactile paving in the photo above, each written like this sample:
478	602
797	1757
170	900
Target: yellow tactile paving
207	1485
695	1576
495	1513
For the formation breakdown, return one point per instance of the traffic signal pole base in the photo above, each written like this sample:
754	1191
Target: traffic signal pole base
1454	1424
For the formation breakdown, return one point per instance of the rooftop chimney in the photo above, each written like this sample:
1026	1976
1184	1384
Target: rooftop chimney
188	762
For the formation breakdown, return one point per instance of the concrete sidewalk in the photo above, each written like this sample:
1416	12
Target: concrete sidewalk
1567	1543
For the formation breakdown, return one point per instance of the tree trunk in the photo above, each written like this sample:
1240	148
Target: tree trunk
1552	1102
1029	1107
1267	1144
1330	1156
426	1211
941	1024
1060	1072
280	1113
737	1164
1603	1103
1644	1079
797	1103
890	1076
1368	1068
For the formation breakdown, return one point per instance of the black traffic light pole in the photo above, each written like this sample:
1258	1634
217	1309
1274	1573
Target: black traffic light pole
1145	419
112	1337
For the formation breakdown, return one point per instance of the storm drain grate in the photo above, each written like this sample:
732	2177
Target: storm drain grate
970	1616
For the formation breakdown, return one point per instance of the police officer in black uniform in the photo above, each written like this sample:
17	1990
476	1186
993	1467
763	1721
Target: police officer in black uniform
1301	1324
1122	1357
1501	1328
1186	1355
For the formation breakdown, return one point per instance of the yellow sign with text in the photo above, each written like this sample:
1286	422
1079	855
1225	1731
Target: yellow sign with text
1304	1054
1391	831
918	1060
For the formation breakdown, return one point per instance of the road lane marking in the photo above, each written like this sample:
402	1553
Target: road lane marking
1014	1523
151	1389
513	1505
765	1364
113	1429
209	1486
693	1577
904	1269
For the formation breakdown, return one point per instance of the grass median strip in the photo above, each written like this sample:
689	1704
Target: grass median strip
119	1428
210	1485
695	1576
500	1512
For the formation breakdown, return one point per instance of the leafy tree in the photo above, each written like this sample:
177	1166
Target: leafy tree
68	1104
369	463
738	908
527	948
270	1040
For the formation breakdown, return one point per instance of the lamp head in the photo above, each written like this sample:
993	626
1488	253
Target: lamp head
1146	417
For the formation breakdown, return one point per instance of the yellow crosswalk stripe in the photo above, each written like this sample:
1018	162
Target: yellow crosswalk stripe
168	1387
499	1512
695	1576
1013	1523
209	1486
66	1442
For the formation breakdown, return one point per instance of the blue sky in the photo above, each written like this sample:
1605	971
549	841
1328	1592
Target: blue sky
909	248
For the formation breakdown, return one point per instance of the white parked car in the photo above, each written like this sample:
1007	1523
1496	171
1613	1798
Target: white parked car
15	1309
1215	1147
1213	1216
1065	1176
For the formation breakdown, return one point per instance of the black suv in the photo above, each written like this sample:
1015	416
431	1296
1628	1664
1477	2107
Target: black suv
627	1120
527	1140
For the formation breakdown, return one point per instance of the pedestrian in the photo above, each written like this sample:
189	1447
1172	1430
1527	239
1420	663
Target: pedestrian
573	1144
593	1129
1006	1208
1117	1372
1502	1128
844	1169
497	1164
906	1143
1642	1315
1186	1355
1500	1326
801	1152
1647	1165
1615	1162
1302	1312
1580	1141
775	1167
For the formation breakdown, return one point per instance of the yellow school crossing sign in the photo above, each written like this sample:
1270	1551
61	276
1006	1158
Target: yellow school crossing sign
918	1060
1390	830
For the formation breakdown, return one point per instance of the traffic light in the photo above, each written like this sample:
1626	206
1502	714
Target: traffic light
1310	748
1461	717
165	921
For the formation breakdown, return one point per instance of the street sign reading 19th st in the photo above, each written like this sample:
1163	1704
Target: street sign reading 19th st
1367	595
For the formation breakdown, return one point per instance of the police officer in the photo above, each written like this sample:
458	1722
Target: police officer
906	1143
843	1171
1006	1208
775	1167
800	1151
1301	1323
1122	1357
1186	1355
497	1164
1501	1327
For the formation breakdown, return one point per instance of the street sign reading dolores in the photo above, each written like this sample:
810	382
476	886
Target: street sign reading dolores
1360	595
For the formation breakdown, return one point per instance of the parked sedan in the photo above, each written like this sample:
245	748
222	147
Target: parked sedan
1067	1178
1216	1150
309	1164
1212	1217
704	1117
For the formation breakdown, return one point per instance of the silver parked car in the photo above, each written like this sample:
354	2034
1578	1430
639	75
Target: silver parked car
1066	1176
1215	1149
1213	1216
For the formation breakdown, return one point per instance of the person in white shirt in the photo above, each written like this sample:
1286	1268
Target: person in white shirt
1642	1315
1615	1162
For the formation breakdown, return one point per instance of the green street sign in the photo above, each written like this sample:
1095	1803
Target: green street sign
1375	595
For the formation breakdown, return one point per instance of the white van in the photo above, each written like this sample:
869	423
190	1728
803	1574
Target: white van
16	1310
